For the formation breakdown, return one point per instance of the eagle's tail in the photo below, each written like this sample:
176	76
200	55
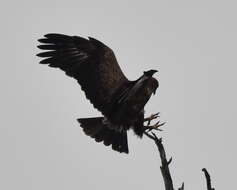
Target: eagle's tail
97	129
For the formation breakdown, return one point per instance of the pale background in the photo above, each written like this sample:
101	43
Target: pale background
193	44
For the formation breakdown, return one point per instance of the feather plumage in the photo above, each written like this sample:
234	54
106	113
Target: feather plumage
96	69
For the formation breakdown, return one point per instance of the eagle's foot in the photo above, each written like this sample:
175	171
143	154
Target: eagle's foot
152	117
156	127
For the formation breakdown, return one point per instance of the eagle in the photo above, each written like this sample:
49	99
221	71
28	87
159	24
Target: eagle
94	66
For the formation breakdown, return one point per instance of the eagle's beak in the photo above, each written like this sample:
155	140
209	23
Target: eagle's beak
154	92
150	72
153	72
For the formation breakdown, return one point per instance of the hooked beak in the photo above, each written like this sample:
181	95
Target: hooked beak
154	92
150	72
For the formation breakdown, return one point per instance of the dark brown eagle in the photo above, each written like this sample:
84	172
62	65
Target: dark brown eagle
96	69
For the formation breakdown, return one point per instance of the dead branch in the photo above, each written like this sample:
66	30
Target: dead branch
208	179
165	165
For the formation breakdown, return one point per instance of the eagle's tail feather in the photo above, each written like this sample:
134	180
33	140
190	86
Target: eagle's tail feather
95	128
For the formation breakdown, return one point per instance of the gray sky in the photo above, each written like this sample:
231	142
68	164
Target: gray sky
191	43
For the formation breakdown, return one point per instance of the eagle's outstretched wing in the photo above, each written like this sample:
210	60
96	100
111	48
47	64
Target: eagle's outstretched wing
89	61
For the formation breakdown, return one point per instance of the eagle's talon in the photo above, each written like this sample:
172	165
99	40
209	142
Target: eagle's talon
154	127
152	117
158	124
150	128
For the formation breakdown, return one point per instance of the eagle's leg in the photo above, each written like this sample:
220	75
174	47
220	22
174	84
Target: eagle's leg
154	127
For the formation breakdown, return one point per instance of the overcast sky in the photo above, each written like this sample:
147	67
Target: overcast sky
191	43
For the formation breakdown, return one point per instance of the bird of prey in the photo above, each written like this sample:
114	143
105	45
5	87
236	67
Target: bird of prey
94	66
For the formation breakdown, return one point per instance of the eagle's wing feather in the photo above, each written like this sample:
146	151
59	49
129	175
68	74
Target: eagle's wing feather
89	61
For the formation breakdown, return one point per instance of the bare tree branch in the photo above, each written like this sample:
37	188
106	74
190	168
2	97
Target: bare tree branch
208	179
164	163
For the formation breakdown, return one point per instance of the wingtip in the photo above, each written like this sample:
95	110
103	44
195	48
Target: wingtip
44	40
50	35
44	61
43	54
57	35
39	46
